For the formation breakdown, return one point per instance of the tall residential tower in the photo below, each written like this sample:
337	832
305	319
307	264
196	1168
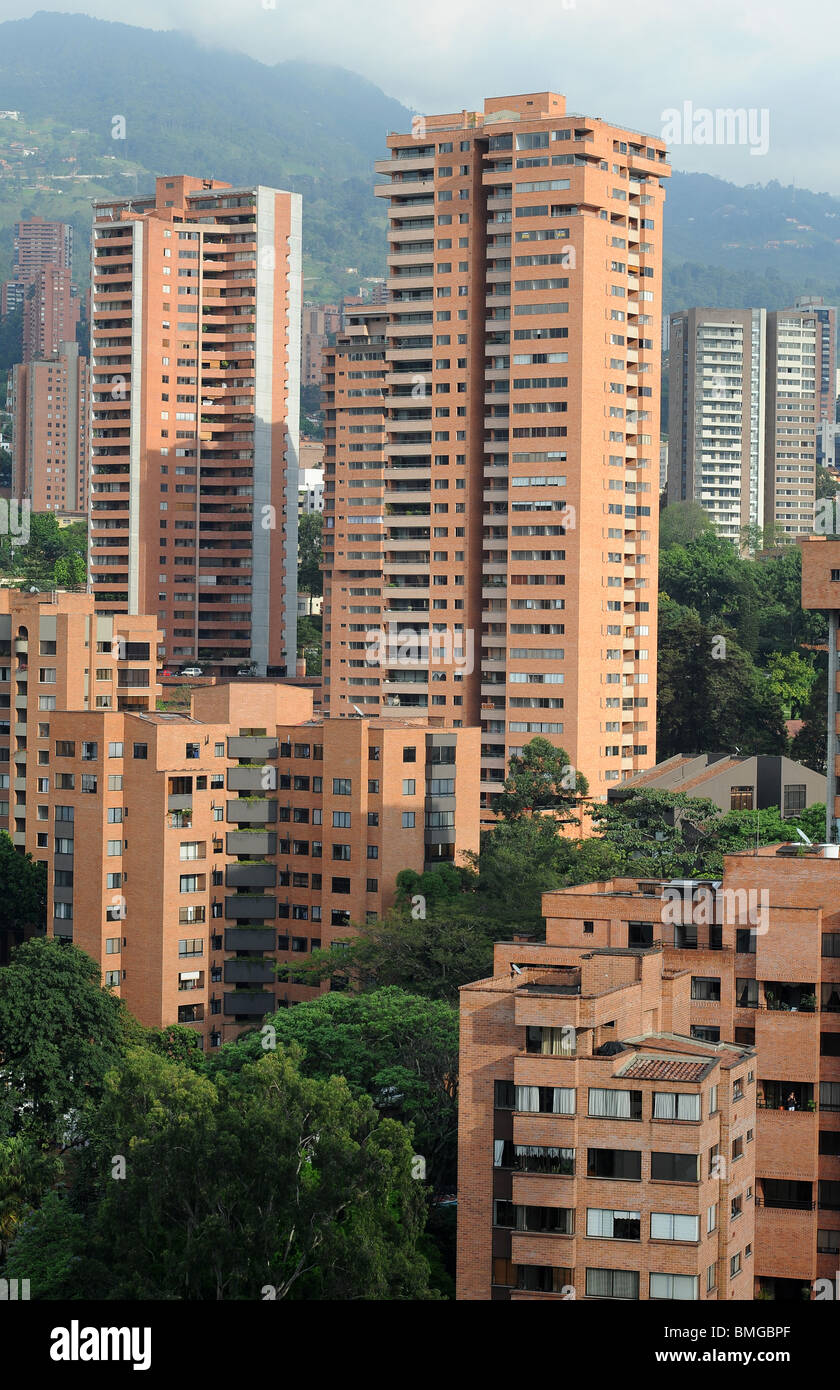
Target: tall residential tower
195	375
493	443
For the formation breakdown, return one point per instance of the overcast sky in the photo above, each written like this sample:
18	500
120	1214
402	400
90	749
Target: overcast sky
626	60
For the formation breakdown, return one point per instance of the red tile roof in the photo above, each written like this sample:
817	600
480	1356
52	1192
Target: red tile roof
662	1069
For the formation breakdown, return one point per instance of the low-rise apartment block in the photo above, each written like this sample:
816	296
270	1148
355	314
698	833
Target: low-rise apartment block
761	949
58	655
242	836
604	1154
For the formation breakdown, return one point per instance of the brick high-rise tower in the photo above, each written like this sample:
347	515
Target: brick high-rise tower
195	373
493	441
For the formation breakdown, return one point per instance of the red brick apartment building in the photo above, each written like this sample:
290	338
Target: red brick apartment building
821	590
268	833
195	377
750	967
50	312
604	1154
58	654
41	285
492	438
50	402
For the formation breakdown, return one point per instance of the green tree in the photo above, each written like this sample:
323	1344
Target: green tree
791	678
681	522
541	778
60	1031
396	1047
310	578
431	955
26	1173
810	744
711	696
257	1179
23	893
657	834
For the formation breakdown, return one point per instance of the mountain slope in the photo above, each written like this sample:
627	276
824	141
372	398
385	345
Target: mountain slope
317	130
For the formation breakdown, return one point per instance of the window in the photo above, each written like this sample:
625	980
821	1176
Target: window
734	1266
672	1226
794	799
114	847
533	1158
639	933
545	1100
341	786
65	748
669	1105
409	755
504	1095
613	1225
90	751
741	799
705	987
341	820
115	750
670	1167
612	1283
621	1105
408	820
191	946
140	750
711	1218
409	786
614	1163
341	885
113	945
190	883
115	815
674	1286
551	1042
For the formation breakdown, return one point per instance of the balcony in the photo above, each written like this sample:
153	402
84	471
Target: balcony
251	1002
255	812
249	938
256	842
248	905
251	875
247	779
254	748
256	972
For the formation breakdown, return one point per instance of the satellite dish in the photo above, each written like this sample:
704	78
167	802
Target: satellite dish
515	969
804	837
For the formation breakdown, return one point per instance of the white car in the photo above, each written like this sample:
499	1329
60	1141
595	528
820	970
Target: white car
192	671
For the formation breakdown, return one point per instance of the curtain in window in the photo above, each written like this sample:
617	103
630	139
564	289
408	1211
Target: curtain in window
625	1283
558	1042
564	1100
615	1104
528	1098
498	1152
688	1107
599	1223
664	1105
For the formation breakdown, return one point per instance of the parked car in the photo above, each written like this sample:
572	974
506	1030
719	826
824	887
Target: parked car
191	671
